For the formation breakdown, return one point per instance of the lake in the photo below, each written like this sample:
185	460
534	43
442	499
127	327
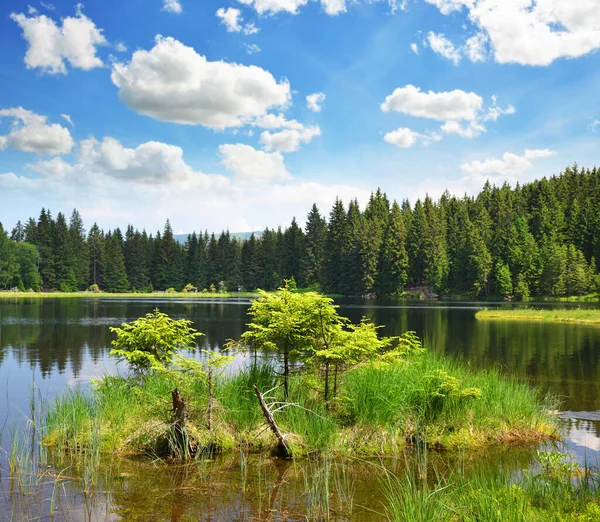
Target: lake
49	345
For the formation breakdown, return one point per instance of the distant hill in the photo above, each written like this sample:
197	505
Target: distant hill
182	238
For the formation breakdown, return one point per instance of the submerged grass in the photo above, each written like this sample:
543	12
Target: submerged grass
378	411
569	315
556	491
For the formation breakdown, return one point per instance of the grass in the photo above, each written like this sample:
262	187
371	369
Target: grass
575	315
555	491
126	295
379	410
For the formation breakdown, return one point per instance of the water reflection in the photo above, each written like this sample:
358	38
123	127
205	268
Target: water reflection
46	345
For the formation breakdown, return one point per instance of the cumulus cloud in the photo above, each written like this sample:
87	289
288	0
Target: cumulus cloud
31	133
476	48
463	113
68	119
452	105
594	125
334	7
230	18
172	82
414	48
120	47
276	121
532	33
315	101
51	46
509	165
172	6
289	140
404	138
253	166
444	47
271	7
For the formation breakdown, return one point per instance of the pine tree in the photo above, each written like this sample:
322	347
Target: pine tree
9	269
169	261
96	252
393	261
18	232
115	275
79	248
44	242
315	239
64	259
503	279
336	233
416	244
293	245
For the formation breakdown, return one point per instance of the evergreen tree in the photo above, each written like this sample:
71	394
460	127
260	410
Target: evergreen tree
503	279
336	233
393	264
44	242
315	239
96	252
169	261
18	232
64	259
28	259
293	245
79	250
9	269
115	275
416	244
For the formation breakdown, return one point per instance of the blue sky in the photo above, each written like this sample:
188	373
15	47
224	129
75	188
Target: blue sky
146	109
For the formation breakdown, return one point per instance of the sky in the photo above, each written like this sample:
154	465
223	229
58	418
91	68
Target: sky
240	114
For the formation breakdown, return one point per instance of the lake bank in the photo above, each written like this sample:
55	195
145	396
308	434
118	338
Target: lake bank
576	315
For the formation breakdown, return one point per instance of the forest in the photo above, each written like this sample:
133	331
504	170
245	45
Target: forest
537	239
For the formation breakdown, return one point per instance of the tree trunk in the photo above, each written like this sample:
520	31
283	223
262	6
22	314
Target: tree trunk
283	447
180	418
326	382
286	373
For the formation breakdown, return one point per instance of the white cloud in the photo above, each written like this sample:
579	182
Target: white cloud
289	140
475	47
271	121
120	47
51	46
594	125
414	48
442	106
68	119
31	133
253	166
469	131
172	82
533	33
275	6
230	18
494	112
48	6
461	112
334	7
172	6
508	166
252	48
315	101
271	7
444	47
406	138
250	28
31	10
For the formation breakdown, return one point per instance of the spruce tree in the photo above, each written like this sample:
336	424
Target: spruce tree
393	263
115	275
315	239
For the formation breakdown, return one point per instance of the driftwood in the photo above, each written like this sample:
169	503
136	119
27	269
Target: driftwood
283	447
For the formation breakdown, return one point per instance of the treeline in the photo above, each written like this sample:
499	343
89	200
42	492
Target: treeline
542	238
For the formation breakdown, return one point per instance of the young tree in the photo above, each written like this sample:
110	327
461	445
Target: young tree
151	342
503	279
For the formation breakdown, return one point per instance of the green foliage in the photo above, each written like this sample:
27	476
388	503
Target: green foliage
151	342
522	288
189	288
503	279
94	288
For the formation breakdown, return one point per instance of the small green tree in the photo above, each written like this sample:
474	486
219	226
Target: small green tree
290	322
521	288
151	342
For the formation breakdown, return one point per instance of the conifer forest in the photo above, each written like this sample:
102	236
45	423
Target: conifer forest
538	239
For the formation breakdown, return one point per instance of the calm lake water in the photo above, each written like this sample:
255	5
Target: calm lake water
49	345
